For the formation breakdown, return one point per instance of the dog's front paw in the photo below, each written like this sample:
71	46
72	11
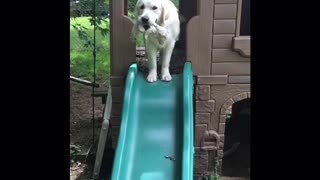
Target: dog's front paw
163	32
166	77
152	29
152	77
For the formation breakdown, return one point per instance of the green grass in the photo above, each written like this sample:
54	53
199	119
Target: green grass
212	178
81	57
82	65
215	178
139	40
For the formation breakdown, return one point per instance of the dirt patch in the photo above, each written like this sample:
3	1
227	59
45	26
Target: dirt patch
81	125
81	129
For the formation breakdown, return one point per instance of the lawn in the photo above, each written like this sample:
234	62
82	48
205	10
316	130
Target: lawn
81	57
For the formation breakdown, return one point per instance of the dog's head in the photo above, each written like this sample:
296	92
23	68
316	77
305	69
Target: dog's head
150	12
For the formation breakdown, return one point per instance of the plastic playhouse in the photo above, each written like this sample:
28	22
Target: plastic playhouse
177	130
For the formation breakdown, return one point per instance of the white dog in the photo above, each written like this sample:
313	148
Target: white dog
159	21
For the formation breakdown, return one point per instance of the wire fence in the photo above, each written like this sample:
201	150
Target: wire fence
82	21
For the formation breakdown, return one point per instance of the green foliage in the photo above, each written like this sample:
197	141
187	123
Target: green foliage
176	2
74	149
82	33
85	7
102	25
81	51
215	178
131	5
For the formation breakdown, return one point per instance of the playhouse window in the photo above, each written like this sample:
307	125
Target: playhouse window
245	18
241	42
188	9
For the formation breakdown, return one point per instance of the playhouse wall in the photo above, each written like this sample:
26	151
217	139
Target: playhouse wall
222	73
221	78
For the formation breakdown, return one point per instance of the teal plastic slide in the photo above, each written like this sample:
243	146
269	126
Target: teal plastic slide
156	133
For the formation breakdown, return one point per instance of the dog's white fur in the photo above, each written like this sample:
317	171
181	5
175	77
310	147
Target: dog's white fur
162	35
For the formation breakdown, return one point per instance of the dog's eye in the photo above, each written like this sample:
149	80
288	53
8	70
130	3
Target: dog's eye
142	7
154	7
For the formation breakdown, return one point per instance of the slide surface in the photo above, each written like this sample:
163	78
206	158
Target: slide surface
156	133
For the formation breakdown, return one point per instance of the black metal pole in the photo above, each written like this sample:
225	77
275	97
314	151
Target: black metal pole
94	70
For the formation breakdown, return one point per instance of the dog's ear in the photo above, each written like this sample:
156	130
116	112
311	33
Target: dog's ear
164	14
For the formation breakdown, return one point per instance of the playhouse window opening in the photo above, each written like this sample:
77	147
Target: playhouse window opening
245	18
187	10
129	9
236	160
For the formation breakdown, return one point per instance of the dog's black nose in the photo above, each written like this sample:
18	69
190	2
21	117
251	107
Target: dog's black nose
144	19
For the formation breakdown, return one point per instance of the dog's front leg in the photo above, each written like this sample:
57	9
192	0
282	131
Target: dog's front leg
152	61
162	33
151	30
166	57
161	30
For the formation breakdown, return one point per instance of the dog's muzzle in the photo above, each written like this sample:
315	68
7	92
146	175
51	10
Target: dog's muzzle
146	26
